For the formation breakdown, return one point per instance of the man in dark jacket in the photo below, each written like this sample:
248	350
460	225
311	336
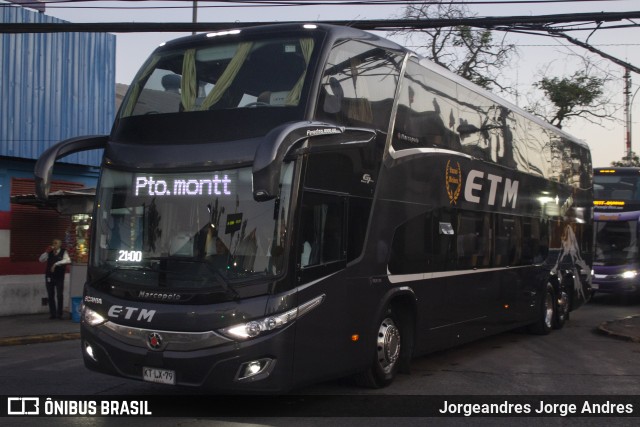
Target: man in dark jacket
57	259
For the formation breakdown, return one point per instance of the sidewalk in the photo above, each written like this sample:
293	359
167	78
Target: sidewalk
627	328
38	328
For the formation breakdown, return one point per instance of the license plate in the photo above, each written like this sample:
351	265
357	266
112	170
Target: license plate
595	286
160	376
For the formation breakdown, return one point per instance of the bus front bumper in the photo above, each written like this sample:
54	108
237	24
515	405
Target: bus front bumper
616	284
261	365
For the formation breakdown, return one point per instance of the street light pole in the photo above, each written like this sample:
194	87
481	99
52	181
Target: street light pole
627	108
195	14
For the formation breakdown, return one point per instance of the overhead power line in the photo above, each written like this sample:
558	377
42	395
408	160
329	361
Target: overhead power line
206	4
521	24
590	48
499	23
346	2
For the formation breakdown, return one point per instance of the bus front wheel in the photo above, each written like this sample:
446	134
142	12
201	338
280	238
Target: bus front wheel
387	352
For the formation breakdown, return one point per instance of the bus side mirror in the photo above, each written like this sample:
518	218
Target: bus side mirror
270	154
44	165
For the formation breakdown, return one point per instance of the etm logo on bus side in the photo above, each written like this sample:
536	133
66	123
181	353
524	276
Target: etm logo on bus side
475	185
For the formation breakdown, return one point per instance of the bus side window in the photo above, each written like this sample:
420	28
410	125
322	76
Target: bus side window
322	229
508	241
357	224
534	241
358	85
427	111
411	250
424	244
473	240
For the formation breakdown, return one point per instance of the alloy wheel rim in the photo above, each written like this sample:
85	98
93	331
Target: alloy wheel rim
388	345
548	315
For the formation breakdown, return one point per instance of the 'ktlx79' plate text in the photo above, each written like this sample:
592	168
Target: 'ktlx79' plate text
160	376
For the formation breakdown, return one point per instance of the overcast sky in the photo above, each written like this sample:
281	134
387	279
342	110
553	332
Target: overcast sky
535	52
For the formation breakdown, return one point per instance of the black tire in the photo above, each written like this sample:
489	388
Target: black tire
386	353
546	313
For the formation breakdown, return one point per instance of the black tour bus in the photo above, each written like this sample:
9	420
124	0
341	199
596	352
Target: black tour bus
616	259
290	203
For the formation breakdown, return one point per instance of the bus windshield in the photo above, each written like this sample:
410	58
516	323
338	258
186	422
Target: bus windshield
215	75
616	242
187	230
616	187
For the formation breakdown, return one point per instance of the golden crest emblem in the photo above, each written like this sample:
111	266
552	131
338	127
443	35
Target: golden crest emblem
453	181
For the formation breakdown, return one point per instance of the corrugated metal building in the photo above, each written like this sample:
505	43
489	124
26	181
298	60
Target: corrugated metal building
52	87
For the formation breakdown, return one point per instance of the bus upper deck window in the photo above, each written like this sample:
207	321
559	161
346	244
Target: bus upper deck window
226	75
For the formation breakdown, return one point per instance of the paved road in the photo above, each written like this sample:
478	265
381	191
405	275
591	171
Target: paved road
574	361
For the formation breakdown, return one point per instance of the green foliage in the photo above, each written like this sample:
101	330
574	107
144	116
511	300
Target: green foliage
469	52
631	160
573	95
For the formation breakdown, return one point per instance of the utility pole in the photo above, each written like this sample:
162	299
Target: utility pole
195	14
627	109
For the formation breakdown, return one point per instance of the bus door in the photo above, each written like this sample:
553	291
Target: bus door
472	288
321	260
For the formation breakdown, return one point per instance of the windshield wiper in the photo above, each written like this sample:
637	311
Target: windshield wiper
112	270
223	281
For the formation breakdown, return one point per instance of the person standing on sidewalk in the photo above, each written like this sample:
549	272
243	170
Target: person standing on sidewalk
57	259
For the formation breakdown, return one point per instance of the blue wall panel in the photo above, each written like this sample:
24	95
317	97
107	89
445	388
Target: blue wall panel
52	87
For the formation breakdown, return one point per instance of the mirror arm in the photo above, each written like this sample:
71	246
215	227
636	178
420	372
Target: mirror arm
271	152
44	165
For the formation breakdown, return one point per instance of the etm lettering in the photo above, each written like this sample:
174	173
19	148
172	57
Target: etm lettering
477	183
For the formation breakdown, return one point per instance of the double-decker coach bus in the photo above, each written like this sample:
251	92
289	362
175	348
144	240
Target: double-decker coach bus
289	203
616	261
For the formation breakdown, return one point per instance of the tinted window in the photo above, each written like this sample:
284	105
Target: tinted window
358	220
322	229
473	240
358	85
427	111
487	130
424	243
534	241
183	230
449	239
221	75
329	171
411	247
616	187
508	241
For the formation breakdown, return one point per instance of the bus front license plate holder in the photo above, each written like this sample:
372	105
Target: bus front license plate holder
160	376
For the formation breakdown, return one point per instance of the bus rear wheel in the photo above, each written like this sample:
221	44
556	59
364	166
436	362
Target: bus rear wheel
386	355
546	313
563	307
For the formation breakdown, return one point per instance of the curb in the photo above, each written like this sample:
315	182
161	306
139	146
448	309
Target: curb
605	329
36	339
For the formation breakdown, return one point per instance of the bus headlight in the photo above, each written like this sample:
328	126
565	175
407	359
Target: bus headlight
629	274
91	317
254	328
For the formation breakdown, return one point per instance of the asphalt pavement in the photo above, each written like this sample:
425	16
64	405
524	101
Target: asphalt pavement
38	328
